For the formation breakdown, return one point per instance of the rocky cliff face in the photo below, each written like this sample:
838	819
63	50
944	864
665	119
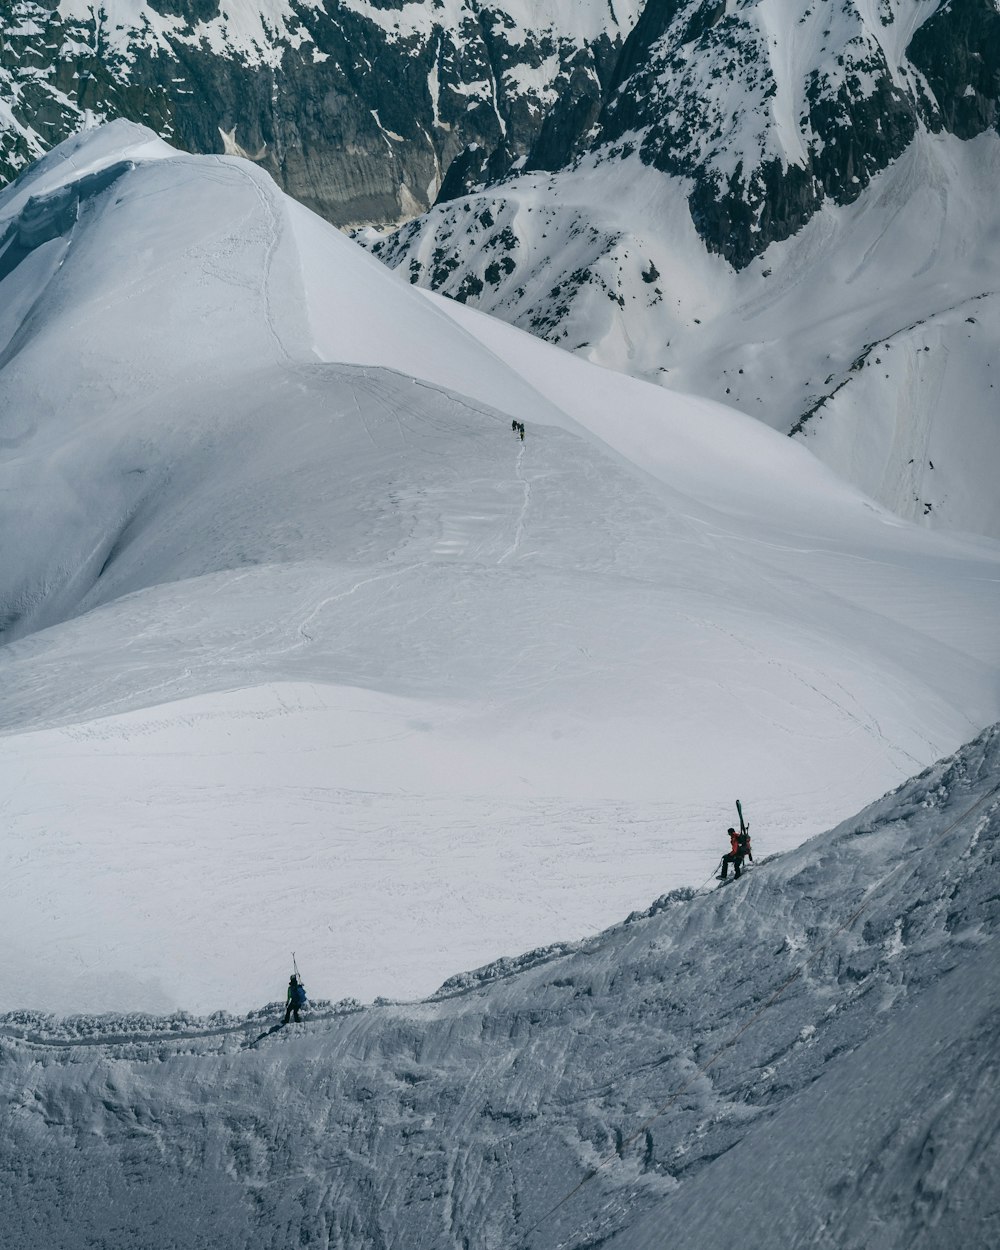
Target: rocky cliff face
370	110
359	108
773	108
769	110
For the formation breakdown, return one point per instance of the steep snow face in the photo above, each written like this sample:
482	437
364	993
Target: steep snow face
870	334
307	650
823	1030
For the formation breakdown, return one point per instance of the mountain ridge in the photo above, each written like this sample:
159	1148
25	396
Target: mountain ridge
769	109
603	1095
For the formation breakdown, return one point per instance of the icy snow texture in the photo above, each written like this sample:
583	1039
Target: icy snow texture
309	652
753	1067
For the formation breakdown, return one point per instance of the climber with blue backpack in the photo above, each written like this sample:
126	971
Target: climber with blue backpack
296	997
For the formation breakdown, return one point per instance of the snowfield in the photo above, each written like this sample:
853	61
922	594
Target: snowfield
305	650
805	1057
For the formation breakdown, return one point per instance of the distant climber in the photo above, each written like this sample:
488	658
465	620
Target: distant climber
520	427
514	425
739	845
296	997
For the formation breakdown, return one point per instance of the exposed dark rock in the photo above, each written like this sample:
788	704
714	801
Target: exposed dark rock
370	123
340	111
698	85
958	52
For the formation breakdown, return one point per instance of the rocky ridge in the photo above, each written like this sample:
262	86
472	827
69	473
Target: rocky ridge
768	111
371	110
361	109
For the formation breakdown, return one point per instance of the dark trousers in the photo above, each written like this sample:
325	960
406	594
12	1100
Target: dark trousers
294	1007
734	858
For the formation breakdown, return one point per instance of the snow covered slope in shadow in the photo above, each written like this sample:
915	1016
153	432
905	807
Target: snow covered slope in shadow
806	1056
302	635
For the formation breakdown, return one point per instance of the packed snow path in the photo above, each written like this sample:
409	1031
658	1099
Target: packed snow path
860	1108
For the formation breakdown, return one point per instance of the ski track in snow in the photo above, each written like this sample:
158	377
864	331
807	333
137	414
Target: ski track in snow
515	546
393	574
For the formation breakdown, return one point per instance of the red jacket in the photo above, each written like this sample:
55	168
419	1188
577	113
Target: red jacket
734	842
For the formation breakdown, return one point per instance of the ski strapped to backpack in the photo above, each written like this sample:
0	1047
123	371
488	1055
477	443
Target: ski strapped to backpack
744	838
299	998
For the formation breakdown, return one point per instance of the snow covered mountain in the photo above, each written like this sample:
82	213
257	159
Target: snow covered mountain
871	335
368	109
360	108
305	650
807	1057
842	160
785	205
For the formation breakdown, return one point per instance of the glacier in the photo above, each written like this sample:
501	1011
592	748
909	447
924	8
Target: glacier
305	651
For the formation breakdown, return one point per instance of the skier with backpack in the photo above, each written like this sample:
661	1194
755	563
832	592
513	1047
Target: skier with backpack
734	857
739	848
296	997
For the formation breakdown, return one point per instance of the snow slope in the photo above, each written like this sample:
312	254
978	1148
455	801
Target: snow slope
307	651
872	331
806	1057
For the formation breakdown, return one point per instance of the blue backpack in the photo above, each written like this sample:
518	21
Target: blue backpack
299	995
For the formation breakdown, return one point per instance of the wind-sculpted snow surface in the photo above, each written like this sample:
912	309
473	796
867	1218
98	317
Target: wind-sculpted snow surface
806	1057
305	650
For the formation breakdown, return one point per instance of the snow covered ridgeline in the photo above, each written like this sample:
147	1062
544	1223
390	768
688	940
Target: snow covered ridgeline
859	1108
755	121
